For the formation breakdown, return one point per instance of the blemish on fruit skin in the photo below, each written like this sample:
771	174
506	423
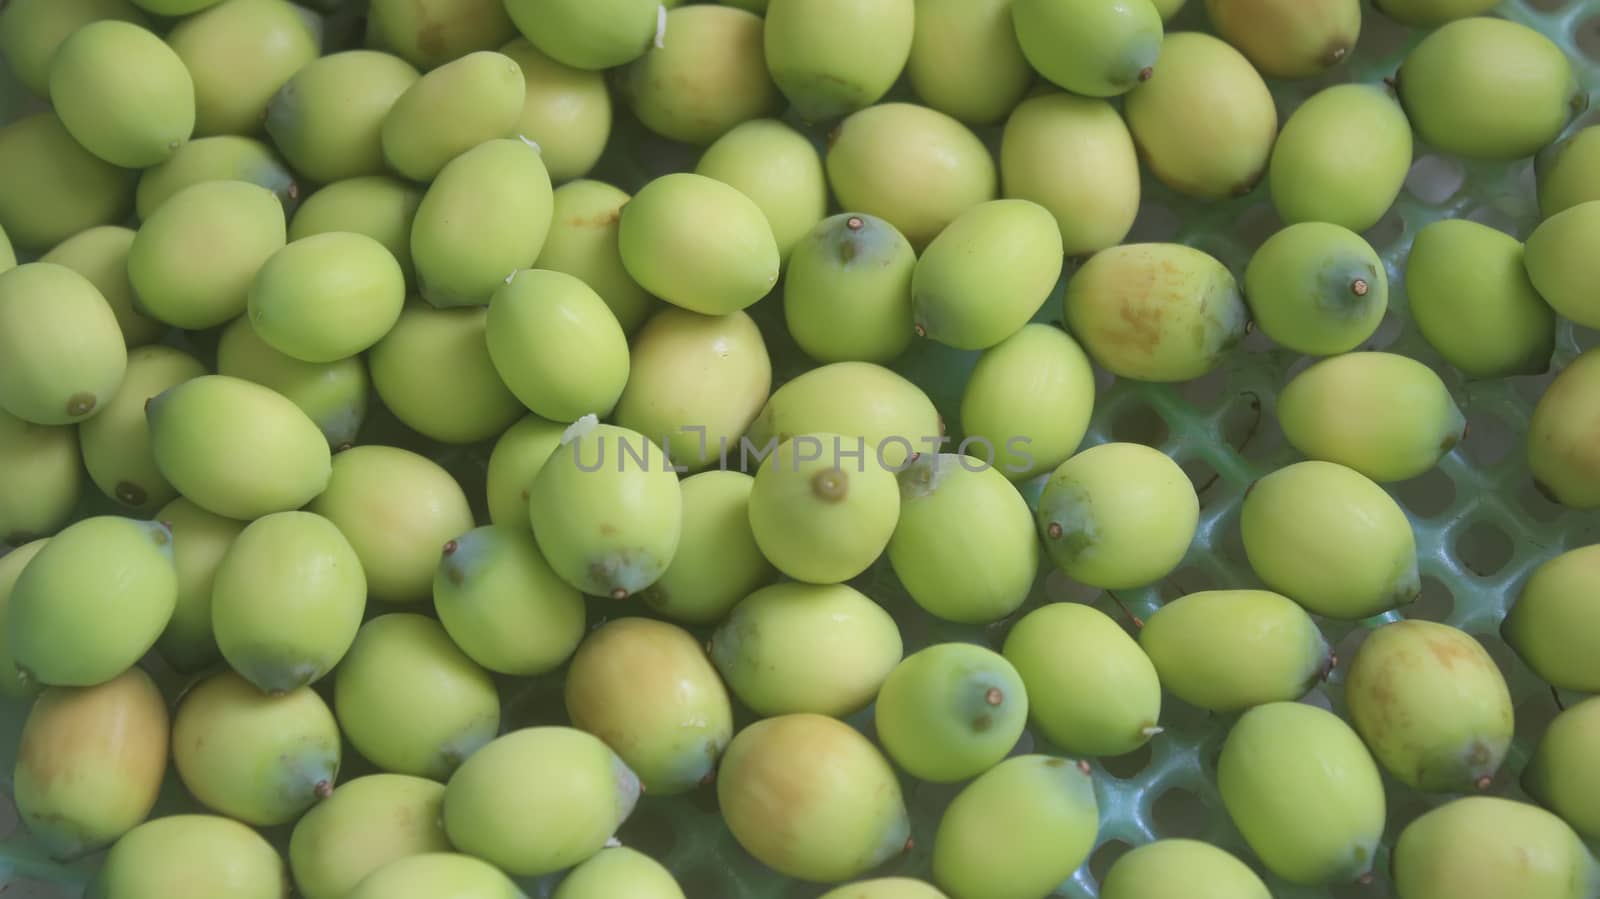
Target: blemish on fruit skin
83	403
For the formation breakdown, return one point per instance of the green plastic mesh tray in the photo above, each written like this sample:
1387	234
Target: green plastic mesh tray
1481	527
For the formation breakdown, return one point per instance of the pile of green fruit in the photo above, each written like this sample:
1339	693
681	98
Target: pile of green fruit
433	430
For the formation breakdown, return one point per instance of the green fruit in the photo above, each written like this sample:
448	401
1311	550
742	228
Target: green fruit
1181	869
1118	516
1092	191
62	357
1289	38
1019	829
1342	158
1229	650
1561	776
1508	110
41	478
90	763
1563	458
1091	689
412	703
260	759
583	790
950	712
437	874
1470	296
1283	758
964	546
566	111
328	119
1204	88
379	206
433	371
1557	264
833	818
1094	48
1160	312
607	511
51	187
965	60
366	824
914	167
778	168
1552	624
334	395
327	297
175	7
718	561
857	400
101	255
817	519
1387	416
131	123
1430	13
397	509
13	684
847	290
500	601
791	648
695	385
619	872
583	241
451	110
430	33
888	887
706	77
557	345
190	857
586	34
648	690
1168	8
986	274
1480	847
92	602
1317	288
240	52
1036	428
515	461
200	541
222	158
31	31
723	264
116	441
833	57
8	254
1566	171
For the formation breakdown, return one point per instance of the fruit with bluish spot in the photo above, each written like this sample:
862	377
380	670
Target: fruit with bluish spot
12	683
778	168
1569	171
1561	775
327	120
189	856
41	478
430	33
116	440
817	519
583	241
334	395
833	57
327	297
62	357
1289	38
1317	288
847	290
1485	847
1564	460
31	31
366	823
1342	158
239	53
381	207
52	188
1030	397
986	274
566	111
200	541
434	372
1559	256
854	399
502	604
226	157
585	34
101	255
723	261
1094	48
1555	620
1075	157
514	462
966	61
436	874
718	562
449	111
619	871
1181	869
709	76
951	712
557	345
128	122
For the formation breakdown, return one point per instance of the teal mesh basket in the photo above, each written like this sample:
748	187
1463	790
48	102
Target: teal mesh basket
1480	524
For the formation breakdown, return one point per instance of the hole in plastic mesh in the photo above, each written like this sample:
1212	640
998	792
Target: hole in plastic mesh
1488	439
1533	715
1387	230
708	880
1179	813
28	888
1128	766
1435	179
1058	587
1428	495
1241	421
1203	392
1389	330
1139	423
1496	218
1538	505
1484	548
1256	225
1587	36
1155	223
1347	647
1505	658
1207	483
649	831
8	816
1100	863
1435	604
1191	579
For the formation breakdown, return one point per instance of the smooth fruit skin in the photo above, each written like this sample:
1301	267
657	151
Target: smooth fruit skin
1030	397
566	111
1559	257
950	712
12	683
585	791
887	887
855	399
1075	157
41	478
227	157
966	61
834	57
90	763
116	440
515	461
1230	650
62	357
381	207
1471	297
778	168
1431	13
240	52
585	34
434	372
31	31
132	123
847	290
327	121
1341	158
718	562
327	297
698	244
1317	288
1564	460
52	188
1181	869
1506	110
1091	689
585	220
816	517
101	255
710	76
430	33
437	874
1561	776
366	823
1018	830
334	395
1289	39
451	110
1566	171
1282	758
1553	623
557	345
986	274
1093	48
618	871
1479	847
200	541
831	819
804	648
500	601
191	857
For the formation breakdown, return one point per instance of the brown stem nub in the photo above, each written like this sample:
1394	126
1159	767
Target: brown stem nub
1083	766
994	696
1146	72
619	593
1054	530
1360	287
323	789
919	330
451	547
854	223
1483	782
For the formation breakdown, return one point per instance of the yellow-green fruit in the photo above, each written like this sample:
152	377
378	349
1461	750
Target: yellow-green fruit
847	290
116	441
1559	258
965	60
1342	157
1564	460
41	478
1073	156
410	701
208	429
1018	830
51	187
1094	48
191	857
8	254
1155	311
618	872
1429	13
62	357
450	110
914	167
366	824
1283	758
1289	38
1091	689
821	519
1229	650
583	241
437	874
607	511
1168	8
32	30
887	887
1206	123
1561	774
857	400
950	712
1554	621
791	648
128	122
1470	296
430	33
334	395
986	274
380	206
835	817
648	690
515	461
1314	517
240	224
101	255
586	34
240	52
1484	847
964	545
397	509
1181	869
1567	171
1317	288
90	763
698	243
1030	398
1510	108
12	561
707	77
260	759
327	297
778	168
500	601
833	57
696	383
433	371
225	157
557	346
583	790
328	119
718	562
566	111
92	602
200	541
175	7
